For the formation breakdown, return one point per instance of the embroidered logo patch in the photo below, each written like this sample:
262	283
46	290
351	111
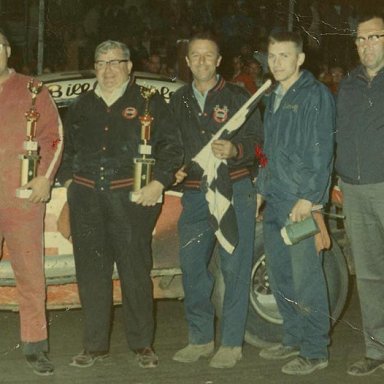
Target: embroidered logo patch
292	107
220	114
129	113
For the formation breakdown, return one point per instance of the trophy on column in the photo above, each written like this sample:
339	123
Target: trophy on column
30	158
144	162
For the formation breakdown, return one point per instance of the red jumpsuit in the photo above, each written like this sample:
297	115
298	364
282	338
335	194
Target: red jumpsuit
21	222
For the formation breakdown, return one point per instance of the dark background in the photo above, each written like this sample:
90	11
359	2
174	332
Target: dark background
242	26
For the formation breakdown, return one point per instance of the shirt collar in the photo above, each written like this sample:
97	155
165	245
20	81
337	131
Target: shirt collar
116	94
279	90
196	91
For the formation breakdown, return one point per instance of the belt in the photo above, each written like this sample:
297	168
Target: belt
103	184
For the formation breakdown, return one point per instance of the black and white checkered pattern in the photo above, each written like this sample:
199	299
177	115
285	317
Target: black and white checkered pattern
216	181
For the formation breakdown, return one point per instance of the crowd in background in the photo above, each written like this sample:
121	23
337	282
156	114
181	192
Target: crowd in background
152	28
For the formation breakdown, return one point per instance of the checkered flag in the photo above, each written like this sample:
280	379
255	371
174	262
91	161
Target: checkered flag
216	181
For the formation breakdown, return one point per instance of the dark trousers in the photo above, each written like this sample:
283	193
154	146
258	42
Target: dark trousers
108	228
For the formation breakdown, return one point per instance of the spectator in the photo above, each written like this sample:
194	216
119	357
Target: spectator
241	75
153	64
337	73
255	70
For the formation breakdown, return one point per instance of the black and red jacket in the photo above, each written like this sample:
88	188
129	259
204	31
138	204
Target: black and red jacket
101	141
197	127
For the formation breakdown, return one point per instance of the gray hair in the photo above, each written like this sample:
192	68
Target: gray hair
108	45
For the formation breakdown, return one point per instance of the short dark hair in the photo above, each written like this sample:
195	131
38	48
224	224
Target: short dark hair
369	14
205	35
286	36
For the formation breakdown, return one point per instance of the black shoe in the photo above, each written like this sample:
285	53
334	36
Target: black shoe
365	367
146	358
86	359
40	364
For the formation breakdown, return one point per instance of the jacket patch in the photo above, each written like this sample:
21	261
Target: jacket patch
220	114
292	107
129	113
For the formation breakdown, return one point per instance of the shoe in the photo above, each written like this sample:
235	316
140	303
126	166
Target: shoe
279	352
193	352
86	359
365	366
303	366
226	357
40	364
146	358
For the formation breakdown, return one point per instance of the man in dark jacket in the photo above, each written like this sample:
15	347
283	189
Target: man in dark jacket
359	163
299	129
201	109
104	132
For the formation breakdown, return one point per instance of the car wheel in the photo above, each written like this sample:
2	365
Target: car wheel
264	323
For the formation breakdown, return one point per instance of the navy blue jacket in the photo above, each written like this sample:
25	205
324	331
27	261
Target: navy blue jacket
360	128
298	143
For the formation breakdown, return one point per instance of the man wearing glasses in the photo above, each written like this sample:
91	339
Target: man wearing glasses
103	128
359	163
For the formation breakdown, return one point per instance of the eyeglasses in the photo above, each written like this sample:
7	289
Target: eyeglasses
372	39
114	64
2	46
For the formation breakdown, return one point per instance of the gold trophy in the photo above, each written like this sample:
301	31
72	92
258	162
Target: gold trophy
144	163
30	159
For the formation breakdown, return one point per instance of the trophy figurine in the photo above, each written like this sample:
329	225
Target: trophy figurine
30	158
144	163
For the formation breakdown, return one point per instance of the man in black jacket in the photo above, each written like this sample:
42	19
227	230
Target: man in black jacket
104	131
201	109
359	163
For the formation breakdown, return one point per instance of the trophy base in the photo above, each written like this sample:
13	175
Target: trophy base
23	193
133	197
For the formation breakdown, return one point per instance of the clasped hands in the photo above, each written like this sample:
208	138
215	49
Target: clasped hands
222	149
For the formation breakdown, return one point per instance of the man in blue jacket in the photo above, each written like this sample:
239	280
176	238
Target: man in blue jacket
359	163
298	128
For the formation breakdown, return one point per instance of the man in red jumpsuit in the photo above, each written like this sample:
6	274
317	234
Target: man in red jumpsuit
21	219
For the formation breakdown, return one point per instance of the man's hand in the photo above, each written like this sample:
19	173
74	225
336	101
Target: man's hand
259	203
301	210
180	175
41	189
224	149
148	195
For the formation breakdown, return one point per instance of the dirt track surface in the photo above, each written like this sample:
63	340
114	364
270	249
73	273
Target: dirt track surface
171	334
